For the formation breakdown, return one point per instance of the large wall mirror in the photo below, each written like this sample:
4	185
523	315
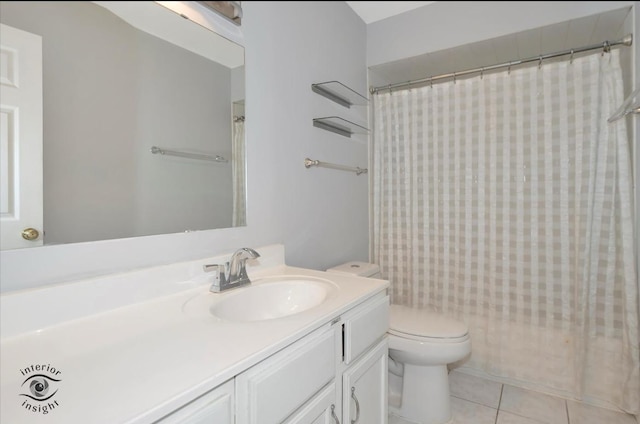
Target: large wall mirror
142	114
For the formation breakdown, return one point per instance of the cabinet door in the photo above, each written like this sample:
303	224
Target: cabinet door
214	407
321	409
364	388
271	391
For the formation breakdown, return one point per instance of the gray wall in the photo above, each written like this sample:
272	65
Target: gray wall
320	215
447	24
110	93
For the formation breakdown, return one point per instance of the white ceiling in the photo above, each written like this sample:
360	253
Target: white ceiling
371	11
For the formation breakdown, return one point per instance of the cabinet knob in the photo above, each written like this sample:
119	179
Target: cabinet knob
30	234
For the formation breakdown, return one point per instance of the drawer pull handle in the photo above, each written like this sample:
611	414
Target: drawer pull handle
333	414
353	396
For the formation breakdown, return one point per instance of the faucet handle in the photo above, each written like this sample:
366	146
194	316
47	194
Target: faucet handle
213	268
219	279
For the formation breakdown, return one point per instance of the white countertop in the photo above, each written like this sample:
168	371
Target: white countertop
137	362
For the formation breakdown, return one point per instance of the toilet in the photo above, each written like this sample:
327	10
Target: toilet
421	345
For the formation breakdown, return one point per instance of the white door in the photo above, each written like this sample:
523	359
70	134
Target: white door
20	138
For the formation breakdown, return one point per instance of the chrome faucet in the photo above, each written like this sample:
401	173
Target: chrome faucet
233	273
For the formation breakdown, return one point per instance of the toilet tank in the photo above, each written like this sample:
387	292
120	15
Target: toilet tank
360	269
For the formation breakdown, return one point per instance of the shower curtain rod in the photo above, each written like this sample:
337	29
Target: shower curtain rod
627	40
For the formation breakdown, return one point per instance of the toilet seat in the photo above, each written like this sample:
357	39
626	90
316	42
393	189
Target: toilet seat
425	325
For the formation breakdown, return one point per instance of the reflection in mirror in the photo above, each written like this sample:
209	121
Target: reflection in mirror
239	185
111	92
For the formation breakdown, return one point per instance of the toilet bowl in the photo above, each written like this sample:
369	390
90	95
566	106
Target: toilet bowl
421	345
425	343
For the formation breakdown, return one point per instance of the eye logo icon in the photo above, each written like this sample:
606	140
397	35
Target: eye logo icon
40	386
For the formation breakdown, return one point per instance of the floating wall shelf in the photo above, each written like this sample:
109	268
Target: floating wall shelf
339	93
339	126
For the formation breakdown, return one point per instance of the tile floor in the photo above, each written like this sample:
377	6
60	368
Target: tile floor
478	401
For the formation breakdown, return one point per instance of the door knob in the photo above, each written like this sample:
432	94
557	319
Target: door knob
30	234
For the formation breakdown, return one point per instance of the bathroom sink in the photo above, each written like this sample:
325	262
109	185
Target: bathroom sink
268	298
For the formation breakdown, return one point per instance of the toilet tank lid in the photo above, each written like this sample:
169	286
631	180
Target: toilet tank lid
425	323
361	269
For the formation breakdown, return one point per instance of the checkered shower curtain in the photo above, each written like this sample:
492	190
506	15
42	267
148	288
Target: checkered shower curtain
505	200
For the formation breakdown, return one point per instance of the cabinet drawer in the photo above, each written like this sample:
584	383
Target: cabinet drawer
366	326
272	390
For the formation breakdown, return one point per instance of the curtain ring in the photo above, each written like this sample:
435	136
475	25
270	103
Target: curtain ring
606	48
431	81
482	73
540	62
454	77
509	69
389	88
571	60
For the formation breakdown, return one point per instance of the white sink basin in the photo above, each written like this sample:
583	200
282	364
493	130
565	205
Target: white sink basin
268	298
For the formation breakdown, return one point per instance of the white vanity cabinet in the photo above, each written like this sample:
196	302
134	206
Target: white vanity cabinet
335	375
364	370
195	360
214	407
